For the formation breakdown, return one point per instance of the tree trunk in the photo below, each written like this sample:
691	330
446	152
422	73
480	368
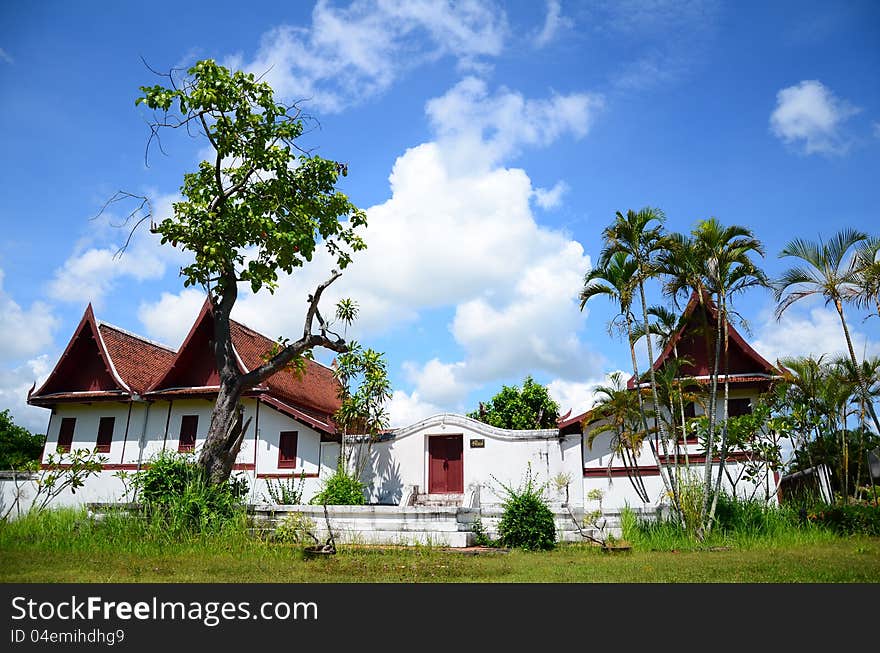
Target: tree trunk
225	435
722	455
852	354
632	353
710	445
227	429
668	483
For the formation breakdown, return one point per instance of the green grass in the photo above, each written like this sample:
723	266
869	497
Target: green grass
64	546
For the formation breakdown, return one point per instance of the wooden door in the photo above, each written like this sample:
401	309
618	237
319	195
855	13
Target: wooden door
445	466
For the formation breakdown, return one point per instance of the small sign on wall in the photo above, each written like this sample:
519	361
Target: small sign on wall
478	444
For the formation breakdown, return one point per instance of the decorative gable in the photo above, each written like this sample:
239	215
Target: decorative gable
695	341
194	365
84	367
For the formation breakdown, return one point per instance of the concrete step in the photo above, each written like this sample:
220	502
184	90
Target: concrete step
435	500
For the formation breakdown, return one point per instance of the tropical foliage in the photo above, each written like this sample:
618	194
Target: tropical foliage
822	407
529	407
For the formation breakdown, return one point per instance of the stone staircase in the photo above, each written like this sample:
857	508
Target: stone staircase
438	500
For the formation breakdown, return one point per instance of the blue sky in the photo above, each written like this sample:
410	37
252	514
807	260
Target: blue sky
490	143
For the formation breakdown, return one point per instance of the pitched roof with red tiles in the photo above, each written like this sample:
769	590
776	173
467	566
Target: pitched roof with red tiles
745	364
105	362
317	389
137	360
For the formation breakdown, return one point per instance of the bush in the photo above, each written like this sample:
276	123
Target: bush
175	491
295	528
848	520
527	521
285	492
341	489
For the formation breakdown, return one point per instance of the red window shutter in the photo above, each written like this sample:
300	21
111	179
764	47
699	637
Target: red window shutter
287	449
105	434
189	424
65	433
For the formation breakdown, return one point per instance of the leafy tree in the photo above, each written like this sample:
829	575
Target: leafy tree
867	290
512	408
18	446
639	235
618	412
258	208
832	272
725	252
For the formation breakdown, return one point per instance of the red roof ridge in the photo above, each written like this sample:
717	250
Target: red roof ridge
155	343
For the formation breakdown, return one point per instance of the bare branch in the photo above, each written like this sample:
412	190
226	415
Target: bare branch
308	341
119	196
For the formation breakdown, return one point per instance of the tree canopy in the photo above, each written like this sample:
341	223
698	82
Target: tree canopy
18	446
257	207
513	408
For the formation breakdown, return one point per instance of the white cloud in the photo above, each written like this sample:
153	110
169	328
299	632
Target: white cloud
553	23
23	332
5	57
552	198
408	408
457	237
14	385
94	268
349	54
169	319
578	396
810	331
876	127
479	130
810	115
437	382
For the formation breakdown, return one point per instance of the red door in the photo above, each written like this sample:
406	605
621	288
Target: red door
445	468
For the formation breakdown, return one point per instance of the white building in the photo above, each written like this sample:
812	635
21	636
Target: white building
132	398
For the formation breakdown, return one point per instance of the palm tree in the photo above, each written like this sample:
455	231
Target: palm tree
617	412
830	272
615	278
727	270
665	326
639	236
867	290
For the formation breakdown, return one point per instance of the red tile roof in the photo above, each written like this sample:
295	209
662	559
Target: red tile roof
138	361
317	389
758	368
143	366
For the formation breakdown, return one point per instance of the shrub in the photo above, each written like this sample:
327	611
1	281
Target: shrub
341	489
848	520
175	491
285	492
527	521
295	528
481	537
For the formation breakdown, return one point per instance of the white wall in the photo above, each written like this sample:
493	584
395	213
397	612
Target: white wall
619	491
403	460
142	430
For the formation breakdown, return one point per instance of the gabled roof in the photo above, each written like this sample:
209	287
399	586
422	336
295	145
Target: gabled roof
103	361
85	369
317	389
137	360
695	338
194	365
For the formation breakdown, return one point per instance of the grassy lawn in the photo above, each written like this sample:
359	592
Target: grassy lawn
66	546
851	560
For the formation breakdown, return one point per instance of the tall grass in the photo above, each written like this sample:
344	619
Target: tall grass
72	529
739	524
